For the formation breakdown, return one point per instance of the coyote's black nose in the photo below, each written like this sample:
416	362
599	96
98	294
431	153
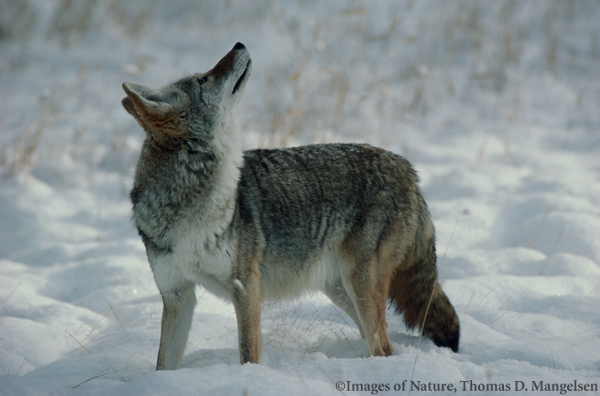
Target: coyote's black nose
239	46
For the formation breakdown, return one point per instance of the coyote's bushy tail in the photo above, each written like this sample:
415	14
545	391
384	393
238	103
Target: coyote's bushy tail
416	293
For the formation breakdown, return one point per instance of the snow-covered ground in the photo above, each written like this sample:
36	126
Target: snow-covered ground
497	105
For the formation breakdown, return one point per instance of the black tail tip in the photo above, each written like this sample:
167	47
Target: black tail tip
239	46
447	340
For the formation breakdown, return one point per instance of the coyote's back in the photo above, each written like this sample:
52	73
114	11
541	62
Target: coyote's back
305	202
345	219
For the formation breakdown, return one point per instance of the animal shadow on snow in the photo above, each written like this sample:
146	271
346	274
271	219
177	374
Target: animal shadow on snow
298	328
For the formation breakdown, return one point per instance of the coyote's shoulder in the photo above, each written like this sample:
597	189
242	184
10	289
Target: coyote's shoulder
346	219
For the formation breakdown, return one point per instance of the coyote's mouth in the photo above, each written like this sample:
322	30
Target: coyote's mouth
241	79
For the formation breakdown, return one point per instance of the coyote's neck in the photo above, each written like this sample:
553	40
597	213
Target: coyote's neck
224	178
219	165
195	186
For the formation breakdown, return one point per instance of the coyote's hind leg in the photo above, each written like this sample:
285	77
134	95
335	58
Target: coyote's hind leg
369	295
339	296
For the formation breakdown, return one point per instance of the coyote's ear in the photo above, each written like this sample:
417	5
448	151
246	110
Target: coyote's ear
130	108
146	100
155	109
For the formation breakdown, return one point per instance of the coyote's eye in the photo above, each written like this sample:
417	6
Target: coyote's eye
202	80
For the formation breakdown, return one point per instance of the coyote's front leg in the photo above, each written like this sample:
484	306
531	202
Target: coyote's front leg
178	309
247	301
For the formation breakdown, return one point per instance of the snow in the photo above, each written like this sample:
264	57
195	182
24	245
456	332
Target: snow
495	104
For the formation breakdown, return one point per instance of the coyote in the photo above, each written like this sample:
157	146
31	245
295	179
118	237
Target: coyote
345	219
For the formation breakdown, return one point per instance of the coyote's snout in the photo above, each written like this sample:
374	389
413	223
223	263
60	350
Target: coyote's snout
345	219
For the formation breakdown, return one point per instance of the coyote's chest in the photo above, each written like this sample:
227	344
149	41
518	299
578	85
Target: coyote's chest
197	255
204	248
198	236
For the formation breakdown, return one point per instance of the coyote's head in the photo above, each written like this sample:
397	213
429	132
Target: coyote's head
193	108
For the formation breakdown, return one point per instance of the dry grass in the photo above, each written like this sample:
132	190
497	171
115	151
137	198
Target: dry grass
353	71
291	323
19	155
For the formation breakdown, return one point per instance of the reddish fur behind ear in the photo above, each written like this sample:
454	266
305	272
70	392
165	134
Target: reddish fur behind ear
160	121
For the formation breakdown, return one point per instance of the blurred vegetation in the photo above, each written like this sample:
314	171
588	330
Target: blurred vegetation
349	70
